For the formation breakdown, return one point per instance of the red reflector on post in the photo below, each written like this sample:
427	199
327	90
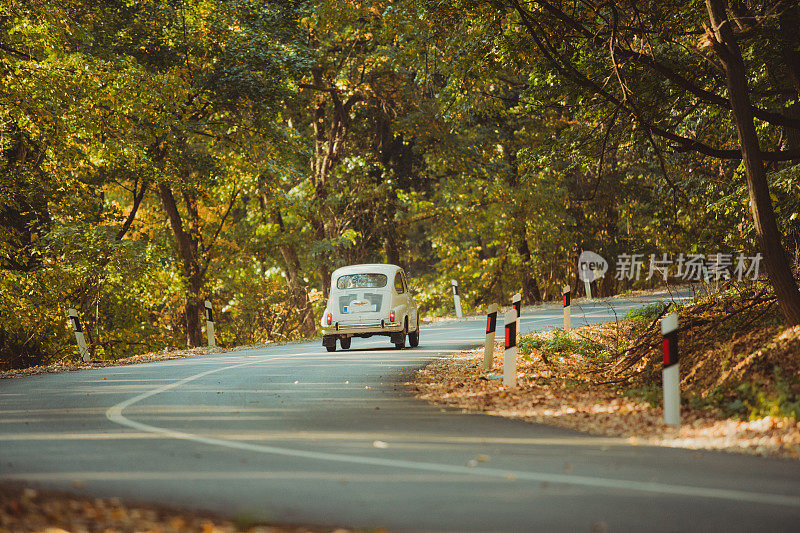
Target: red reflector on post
669	347
491	322
511	334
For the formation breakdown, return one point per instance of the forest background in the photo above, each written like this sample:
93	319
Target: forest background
155	154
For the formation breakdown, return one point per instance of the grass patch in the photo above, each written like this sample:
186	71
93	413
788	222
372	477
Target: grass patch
651	393
647	313
562	343
737	358
778	396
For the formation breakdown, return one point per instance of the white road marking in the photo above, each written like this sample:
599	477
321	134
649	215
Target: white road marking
115	414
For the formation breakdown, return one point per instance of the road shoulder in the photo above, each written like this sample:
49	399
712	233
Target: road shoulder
561	392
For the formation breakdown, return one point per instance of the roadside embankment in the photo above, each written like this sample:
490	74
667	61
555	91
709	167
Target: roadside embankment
740	378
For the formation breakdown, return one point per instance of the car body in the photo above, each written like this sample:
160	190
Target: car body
367	300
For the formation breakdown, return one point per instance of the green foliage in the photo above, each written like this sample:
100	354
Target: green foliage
299	136
650	393
33	322
749	400
563	342
753	401
101	105
648	313
254	307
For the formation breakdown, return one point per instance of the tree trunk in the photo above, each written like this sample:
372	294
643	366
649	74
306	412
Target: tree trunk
325	274
789	21
529	283
769	239
292	268
190	267
308	325
192	311
391	249
607	284
328	149
793	142
790	49
398	157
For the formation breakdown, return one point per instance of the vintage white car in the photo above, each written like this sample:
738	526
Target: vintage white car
367	300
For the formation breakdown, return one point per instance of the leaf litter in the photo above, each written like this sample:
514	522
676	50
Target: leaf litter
606	380
24	509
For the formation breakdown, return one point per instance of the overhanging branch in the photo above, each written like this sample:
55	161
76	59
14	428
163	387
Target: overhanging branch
685	144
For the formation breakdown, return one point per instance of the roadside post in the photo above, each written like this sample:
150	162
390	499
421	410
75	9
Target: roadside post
212	343
516	303
587	280
78	329
591	267
567	317
671	371
456	298
510	354
491	326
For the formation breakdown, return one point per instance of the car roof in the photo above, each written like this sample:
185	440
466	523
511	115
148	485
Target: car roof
371	268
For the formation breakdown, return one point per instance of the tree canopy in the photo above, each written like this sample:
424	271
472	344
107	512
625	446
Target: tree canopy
158	154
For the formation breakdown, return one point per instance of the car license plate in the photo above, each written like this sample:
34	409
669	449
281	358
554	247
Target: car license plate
360	307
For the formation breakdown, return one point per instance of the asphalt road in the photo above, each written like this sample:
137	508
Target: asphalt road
293	434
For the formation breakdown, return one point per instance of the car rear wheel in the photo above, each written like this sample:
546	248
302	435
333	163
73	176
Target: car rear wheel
345	342
413	338
331	348
402	343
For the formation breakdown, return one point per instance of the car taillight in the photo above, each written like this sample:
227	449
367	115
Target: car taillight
329	319
391	316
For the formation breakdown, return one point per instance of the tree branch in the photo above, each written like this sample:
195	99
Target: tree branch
686	144
137	200
670	74
213	240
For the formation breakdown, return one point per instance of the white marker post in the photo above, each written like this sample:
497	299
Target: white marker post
456	298
567	317
671	372
491	326
510	355
591	267
76	326
516	303
587	283
212	342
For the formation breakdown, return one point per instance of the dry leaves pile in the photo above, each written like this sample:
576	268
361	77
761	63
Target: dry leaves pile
565	392
725	340
69	366
29	510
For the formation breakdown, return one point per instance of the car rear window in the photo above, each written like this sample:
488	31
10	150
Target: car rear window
361	281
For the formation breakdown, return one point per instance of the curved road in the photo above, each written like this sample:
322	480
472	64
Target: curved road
293	434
